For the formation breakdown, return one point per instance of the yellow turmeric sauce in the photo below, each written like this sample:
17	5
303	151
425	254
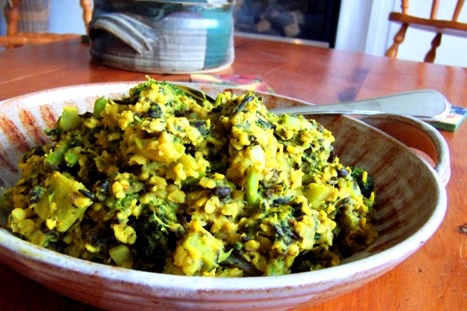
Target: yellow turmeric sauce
168	182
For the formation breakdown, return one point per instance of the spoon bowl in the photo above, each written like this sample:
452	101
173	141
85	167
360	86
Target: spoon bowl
428	105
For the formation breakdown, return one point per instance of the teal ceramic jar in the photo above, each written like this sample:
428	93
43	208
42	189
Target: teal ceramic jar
163	36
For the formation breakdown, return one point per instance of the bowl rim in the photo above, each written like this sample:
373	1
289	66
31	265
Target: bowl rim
21	250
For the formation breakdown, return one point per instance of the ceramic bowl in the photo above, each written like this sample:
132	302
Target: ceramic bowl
411	199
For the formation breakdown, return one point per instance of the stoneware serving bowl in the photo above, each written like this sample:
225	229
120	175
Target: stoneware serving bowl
410	194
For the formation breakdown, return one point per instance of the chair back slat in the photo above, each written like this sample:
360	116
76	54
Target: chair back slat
405	6
457	10
434	9
430	23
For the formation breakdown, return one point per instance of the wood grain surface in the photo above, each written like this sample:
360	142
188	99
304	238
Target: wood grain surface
434	278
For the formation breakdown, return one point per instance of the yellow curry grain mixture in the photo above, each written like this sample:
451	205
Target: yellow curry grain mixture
165	180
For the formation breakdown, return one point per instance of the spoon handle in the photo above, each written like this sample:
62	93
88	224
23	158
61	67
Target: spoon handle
423	104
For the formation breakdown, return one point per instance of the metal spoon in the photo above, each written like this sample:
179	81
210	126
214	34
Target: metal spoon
427	105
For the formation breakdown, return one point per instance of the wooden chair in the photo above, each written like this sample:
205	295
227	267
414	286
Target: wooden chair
14	38
433	24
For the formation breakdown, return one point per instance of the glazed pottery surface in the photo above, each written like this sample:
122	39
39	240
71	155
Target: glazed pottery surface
163	36
411	201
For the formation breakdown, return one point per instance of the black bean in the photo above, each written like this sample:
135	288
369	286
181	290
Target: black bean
281	201
223	192
102	190
155	111
87	194
342	172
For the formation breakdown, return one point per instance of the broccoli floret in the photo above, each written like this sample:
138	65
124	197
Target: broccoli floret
136	91
157	230
364	181
154	244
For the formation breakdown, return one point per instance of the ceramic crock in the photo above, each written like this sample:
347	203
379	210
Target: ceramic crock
163	36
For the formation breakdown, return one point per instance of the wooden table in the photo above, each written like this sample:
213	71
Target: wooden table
434	278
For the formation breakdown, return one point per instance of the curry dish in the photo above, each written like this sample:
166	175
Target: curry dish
168	181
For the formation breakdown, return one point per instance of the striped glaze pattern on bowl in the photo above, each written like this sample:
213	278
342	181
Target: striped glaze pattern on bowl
411	200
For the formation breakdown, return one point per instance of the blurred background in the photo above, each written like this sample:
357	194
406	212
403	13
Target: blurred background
349	25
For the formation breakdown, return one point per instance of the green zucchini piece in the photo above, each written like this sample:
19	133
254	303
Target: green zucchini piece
70	119
99	106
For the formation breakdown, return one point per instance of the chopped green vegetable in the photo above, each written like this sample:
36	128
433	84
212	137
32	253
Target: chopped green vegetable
364	181
99	106
69	119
